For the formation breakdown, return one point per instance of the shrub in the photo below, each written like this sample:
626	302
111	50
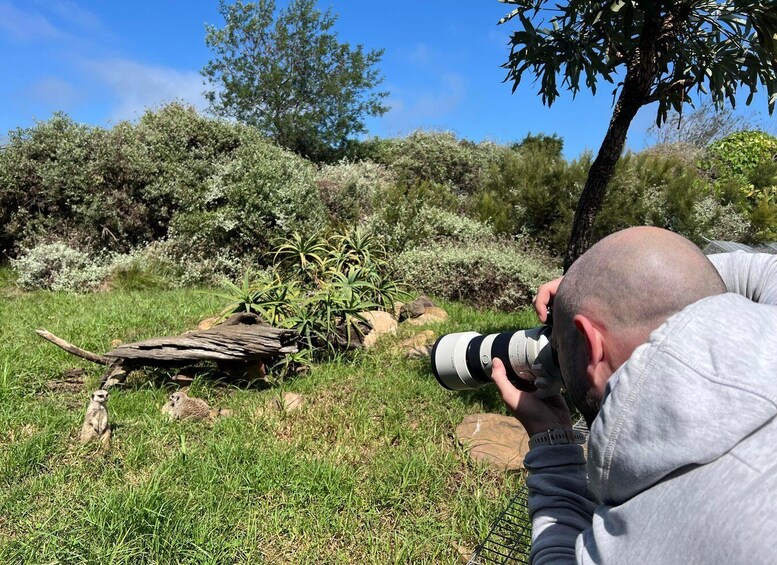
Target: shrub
349	190
487	274
415	214
743	166
738	154
434	157
112	188
532	192
262	192
550	145
57	267
61	180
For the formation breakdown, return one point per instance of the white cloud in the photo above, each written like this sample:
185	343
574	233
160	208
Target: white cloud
55	93
413	110
421	55
138	87
27	26
80	18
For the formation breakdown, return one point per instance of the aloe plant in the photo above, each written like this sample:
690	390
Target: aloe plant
320	286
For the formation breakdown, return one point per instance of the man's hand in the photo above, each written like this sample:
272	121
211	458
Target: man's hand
544	296
537	415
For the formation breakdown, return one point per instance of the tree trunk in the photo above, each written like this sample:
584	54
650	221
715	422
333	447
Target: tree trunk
641	72
599	176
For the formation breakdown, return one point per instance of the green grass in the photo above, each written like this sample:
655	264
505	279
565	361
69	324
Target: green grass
367	472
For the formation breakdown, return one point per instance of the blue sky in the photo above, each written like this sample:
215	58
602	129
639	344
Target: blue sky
106	61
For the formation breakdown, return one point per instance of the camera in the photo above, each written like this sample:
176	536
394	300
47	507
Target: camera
462	361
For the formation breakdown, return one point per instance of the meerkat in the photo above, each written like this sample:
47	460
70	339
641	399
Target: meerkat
96	424
181	406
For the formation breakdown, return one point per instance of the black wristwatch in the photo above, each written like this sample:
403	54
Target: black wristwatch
559	436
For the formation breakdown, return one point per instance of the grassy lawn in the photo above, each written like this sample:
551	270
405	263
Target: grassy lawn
367	472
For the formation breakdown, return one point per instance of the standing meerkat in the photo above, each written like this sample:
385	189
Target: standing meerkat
96	424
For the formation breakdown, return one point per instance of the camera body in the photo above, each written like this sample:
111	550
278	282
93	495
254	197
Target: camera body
463	361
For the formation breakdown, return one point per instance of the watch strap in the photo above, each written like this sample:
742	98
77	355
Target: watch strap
559	436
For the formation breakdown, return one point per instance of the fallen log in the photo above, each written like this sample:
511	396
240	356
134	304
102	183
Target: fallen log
241	339
222	343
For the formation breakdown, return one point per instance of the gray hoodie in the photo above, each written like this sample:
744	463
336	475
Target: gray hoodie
682	459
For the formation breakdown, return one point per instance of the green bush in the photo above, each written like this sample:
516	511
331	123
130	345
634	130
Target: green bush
664	189
739	154
743	166
488	274
352	190
408	215
218	185
65	181
57	267
261	193
533	192
551	145
433	157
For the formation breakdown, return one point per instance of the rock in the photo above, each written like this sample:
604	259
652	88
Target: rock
432	315
290	402
398	309
415	308
500	441
465	553
382	323
207	323
417	346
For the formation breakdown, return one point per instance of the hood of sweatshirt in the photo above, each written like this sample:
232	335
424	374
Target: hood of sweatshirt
705	380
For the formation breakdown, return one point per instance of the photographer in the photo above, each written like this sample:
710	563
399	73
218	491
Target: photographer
677	380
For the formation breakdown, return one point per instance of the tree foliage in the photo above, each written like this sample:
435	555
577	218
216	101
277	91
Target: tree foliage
712	46
289	76
658	51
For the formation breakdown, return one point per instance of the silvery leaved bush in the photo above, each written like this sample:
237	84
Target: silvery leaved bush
57	267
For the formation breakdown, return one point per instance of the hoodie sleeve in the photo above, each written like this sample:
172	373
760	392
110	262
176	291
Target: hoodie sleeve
753	275
560	505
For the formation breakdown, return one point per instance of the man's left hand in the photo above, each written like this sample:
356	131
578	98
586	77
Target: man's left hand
535	414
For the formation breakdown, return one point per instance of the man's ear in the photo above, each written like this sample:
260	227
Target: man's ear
597	369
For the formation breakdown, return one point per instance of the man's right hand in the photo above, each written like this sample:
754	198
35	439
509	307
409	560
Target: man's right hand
544	297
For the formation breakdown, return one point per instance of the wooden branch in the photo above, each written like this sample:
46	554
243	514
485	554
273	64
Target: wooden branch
73	350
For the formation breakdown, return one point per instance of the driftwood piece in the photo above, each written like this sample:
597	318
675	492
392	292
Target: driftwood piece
72	349
241	338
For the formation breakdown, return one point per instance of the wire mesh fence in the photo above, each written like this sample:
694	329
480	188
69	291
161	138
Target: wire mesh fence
509	541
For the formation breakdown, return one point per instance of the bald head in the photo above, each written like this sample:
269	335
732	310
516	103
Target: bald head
614	295
637	278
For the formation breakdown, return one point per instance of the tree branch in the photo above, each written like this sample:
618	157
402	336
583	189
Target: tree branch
663	89
72	349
